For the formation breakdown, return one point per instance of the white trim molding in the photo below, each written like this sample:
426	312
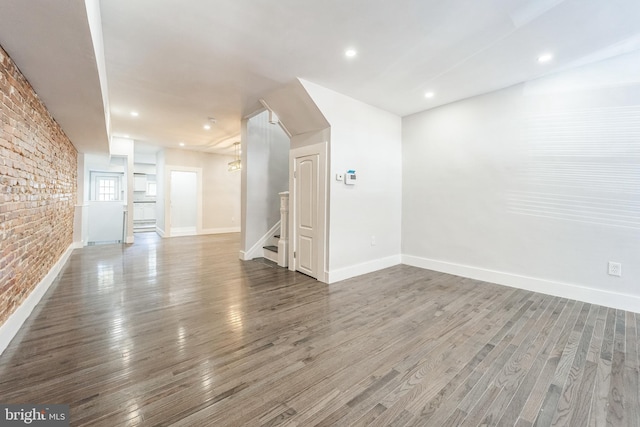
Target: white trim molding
559	289
12	325
362	268
221	230
256	250
160	231
183	231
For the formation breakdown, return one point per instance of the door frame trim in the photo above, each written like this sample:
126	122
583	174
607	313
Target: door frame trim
167	205
321	150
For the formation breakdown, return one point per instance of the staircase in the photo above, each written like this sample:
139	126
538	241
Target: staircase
271	249
277	249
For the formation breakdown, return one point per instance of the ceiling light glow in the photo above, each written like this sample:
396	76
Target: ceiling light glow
134	114
545	57
429	95
182	144
350	53
206	127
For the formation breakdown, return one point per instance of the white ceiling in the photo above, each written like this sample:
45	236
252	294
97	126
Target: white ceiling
177	63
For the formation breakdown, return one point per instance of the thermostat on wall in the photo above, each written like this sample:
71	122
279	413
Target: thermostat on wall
350	177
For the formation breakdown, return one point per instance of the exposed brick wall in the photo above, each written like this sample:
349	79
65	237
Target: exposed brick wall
38	167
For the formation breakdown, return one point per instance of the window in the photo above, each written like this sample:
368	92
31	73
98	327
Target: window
106	187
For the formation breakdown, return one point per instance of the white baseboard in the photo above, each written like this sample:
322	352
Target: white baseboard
363	268
220	230
559	289
189	231
12	325
256	250
183	231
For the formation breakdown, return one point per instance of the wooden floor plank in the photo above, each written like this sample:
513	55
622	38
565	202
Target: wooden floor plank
598	335
499	352
406	392
574	376
515	371
538	395
180	332
581	408
600	398
617	414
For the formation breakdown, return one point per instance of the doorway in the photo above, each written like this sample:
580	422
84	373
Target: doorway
183	210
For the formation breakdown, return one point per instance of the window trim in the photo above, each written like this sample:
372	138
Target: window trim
96	177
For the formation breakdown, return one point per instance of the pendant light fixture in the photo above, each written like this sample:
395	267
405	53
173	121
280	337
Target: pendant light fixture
236	165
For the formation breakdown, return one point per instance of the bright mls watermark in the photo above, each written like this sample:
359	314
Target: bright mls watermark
34	415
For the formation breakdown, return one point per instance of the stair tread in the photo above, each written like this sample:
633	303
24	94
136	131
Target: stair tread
271	248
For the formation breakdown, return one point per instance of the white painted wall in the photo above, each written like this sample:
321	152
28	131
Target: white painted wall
145	158
146	168
123	147
266	173
160	193
81	212
535	186
220	188
368	140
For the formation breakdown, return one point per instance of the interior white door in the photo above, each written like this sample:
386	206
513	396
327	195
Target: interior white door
306	182
184	203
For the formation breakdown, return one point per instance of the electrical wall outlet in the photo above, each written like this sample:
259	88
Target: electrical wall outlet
339	177
615	269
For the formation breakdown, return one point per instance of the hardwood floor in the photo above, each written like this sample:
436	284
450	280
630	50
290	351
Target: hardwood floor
180	332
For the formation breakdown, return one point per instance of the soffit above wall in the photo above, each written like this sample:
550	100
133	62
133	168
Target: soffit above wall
59	62
295	109
50	42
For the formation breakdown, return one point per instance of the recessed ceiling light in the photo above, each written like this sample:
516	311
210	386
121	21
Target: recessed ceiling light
134	113
206	127
182	144
126	136
546	57
429	95
350	53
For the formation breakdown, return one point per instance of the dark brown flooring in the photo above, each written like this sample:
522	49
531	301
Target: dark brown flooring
180	332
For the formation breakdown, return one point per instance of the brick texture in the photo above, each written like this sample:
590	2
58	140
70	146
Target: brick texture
38	167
